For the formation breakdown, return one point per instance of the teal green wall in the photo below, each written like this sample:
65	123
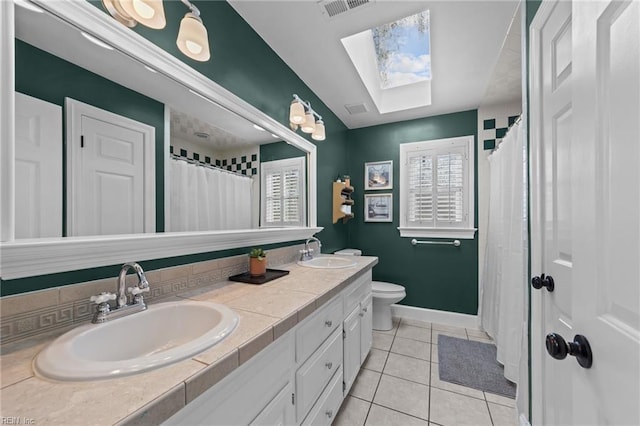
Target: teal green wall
47	77
436	277
244	64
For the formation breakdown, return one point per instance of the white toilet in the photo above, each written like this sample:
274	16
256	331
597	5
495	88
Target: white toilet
384	295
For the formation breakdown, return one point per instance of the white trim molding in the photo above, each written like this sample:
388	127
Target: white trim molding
453	319
7	122
25	258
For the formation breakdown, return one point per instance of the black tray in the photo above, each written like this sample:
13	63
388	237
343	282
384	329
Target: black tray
270	275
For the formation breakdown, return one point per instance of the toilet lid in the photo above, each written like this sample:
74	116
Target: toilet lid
382	287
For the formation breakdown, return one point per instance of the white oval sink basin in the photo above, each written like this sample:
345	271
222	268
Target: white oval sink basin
163	334
328	262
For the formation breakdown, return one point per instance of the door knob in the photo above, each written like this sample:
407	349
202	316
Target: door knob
558	348
542	281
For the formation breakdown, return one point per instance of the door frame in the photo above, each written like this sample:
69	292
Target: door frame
74	111
536	206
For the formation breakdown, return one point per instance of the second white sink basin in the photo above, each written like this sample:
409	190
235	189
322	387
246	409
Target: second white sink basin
328	262
163	334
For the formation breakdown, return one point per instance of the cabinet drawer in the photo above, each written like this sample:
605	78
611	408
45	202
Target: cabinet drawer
317	328
314	374
326	409
357	291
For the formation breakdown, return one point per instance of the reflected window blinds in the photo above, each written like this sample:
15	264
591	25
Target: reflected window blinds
283	195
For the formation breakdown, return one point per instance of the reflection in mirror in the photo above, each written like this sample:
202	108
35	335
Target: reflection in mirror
143	153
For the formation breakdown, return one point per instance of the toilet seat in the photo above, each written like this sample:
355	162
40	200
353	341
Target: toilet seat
385	288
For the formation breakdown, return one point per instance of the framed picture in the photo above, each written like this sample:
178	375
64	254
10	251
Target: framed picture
378	175
378	207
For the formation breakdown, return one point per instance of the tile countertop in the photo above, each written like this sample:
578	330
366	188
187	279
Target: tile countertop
266	312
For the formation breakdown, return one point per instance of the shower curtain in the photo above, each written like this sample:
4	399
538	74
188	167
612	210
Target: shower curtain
503	295
206	199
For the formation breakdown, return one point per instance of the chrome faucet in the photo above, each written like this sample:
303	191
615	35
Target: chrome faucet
123	308
307	252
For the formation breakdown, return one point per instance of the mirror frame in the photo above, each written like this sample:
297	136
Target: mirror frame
33	257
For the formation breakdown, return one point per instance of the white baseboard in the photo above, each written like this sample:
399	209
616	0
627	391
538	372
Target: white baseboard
431	315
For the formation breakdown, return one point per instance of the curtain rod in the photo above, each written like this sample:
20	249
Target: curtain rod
206	165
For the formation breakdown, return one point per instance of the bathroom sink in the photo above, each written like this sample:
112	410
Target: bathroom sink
328	262
163	334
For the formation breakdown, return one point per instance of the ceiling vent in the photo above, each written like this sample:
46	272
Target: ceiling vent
356	108
333	8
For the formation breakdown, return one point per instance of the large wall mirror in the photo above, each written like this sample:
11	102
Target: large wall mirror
151	159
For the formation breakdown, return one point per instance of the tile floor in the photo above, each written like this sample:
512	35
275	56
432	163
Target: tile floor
399	384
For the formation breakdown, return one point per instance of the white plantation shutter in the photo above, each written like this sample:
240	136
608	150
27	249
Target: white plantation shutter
283	195
436	189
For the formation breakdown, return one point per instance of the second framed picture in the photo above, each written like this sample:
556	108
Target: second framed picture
378	175
378	207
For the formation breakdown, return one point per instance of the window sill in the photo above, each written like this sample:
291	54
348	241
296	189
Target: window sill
460	233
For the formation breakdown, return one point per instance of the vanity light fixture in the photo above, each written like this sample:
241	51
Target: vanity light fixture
302	116
193	39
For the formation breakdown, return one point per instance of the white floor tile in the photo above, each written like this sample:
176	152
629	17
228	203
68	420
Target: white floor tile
416	323
382	341
408	368
441	384
381	416
410	347
499	399
415	333
503	416
364	387
375	360
404	396
452	409
352	413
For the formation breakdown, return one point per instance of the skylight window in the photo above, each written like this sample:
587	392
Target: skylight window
402	50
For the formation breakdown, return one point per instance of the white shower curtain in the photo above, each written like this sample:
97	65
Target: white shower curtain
503	307
205	199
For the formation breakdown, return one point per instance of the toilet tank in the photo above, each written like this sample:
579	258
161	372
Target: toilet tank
349	252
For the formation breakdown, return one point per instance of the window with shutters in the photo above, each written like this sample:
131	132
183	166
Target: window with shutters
282	193
436	188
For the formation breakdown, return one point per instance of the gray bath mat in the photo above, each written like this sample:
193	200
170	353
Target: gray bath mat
472	364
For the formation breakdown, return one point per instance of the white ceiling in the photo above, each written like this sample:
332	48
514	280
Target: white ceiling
466	43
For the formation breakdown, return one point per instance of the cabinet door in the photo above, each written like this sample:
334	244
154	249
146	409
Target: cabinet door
366	328
351	348
280	411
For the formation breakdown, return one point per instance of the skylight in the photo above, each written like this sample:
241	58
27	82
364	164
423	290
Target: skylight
402	50
394	62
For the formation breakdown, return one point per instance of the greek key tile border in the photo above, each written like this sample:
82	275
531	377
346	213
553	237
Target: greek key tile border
75	312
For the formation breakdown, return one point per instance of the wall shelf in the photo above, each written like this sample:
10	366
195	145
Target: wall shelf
342	202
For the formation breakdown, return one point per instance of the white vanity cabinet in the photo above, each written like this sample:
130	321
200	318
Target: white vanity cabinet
301	378
357	326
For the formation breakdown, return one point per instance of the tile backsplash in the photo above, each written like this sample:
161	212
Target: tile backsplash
56	309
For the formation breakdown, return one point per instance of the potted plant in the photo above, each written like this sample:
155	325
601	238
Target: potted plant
257	262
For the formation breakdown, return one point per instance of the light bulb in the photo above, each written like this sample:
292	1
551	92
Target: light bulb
193	40
296	112
318	134
309	124
149	13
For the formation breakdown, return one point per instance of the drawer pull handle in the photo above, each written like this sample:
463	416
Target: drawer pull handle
329	365
361	314
328	323
329	413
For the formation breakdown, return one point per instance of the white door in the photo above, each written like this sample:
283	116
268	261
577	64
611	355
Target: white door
109	158
38	168
351	348
586	210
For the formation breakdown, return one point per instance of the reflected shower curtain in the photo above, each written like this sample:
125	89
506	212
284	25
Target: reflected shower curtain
205	199
503	307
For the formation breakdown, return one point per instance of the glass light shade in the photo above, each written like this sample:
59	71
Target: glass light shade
309	124
296	112
193	40
318	134
149	13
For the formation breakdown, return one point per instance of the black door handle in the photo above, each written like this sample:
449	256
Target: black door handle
542	281
558	348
